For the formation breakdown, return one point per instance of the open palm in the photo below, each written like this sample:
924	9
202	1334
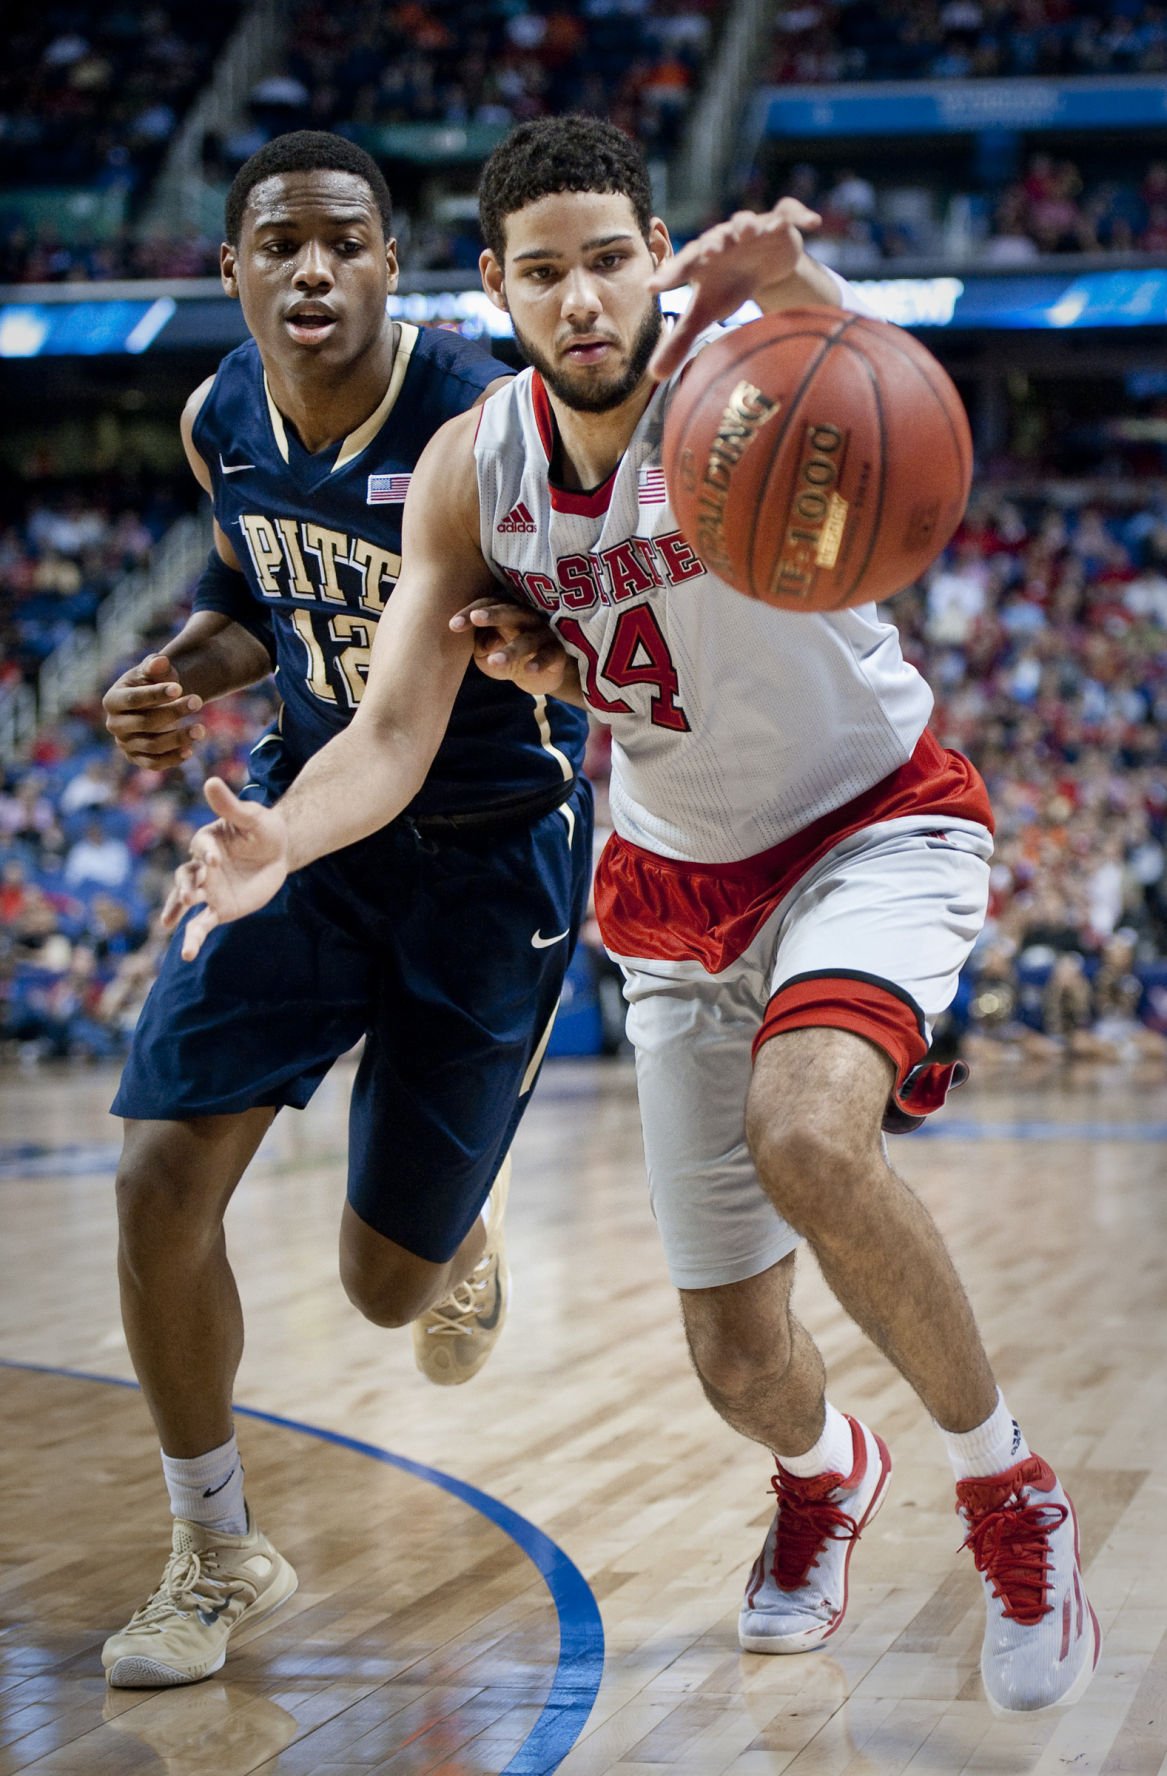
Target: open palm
237	864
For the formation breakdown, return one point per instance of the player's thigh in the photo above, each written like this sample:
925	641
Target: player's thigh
892	912
471	977
175	1178
692	1034
255	1020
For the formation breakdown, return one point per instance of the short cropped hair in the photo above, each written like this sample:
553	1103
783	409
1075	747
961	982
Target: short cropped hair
559	154
305	151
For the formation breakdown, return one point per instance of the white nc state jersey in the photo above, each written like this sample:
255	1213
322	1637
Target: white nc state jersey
734	725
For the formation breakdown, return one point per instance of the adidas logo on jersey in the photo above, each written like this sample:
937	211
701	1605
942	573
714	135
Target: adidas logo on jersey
518	518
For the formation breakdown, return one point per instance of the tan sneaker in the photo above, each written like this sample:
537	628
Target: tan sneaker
452	1340
212	1585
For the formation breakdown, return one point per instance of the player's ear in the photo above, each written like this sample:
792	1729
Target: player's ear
227	262
391	263
492	278
659	243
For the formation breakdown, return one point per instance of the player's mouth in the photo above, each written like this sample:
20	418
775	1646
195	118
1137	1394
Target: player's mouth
310	326
589	351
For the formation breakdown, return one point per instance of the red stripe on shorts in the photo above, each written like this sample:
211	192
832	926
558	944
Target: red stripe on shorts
667	911
840	1002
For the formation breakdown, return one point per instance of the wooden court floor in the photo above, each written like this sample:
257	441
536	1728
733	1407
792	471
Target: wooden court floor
458	1549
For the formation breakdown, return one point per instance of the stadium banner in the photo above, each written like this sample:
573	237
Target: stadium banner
960	107
1017	300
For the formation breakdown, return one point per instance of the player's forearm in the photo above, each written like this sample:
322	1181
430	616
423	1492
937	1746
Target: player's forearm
352	787
213	656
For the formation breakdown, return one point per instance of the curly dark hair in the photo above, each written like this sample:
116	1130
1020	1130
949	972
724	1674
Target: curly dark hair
305	151
552	154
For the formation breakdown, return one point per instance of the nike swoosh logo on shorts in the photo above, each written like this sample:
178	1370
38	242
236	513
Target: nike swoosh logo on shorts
539	942
234	468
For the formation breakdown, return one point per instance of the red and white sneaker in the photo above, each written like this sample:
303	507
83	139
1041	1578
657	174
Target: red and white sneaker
797	1590
1042	1639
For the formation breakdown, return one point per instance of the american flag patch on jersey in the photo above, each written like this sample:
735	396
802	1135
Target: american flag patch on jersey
651	487
387	490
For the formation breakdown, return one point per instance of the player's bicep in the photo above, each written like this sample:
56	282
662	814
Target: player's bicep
226	548
186	427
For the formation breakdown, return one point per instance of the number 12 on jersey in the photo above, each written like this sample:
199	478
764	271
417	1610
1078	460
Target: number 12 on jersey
638	654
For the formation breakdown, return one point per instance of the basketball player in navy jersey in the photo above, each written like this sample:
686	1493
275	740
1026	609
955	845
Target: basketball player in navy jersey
442	940
797	875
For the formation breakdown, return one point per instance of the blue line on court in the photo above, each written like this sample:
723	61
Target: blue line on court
581	1632
953	1128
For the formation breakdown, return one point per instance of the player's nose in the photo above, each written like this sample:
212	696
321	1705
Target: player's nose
313	270
581	297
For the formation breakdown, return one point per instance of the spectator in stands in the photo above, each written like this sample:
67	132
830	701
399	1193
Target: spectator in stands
97	860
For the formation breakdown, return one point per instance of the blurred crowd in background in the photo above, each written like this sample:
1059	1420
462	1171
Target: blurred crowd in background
105	100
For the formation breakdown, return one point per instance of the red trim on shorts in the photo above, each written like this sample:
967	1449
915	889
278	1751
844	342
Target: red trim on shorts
566	499
886	1017
710	913
840	1002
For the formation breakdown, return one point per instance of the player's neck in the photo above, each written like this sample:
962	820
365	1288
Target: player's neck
591	444
324	404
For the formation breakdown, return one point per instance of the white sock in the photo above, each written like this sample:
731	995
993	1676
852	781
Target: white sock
834	1453
208	1489
988	1448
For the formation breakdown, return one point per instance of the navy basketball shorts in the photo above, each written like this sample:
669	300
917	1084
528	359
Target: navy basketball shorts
447	954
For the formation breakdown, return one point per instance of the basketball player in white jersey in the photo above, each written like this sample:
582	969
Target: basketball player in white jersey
797	876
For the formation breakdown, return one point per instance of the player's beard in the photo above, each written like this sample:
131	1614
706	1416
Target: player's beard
599	397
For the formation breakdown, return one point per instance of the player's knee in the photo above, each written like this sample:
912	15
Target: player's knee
163	1215
736	1366
736	1353
810	1159
388	1291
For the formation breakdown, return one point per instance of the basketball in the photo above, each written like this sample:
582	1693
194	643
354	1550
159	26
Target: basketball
816	459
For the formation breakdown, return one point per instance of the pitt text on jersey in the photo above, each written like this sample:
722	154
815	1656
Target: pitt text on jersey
297	559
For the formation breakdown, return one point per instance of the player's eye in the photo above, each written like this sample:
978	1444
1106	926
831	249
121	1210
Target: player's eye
610	261
349	247
540	274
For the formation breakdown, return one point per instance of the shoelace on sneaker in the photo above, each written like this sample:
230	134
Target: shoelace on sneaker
1009	1537
185	1584
462	1305
808	1518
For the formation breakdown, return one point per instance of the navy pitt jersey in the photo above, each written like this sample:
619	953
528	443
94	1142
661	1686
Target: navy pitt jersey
319	540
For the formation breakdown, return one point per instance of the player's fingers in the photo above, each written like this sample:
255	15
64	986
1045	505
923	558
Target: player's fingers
197	931
164	761
676	340
227	805
155	742
124	698
792	210
492	614
185	891
166	719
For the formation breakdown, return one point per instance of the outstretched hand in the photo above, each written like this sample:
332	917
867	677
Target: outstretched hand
726	266
236	865
512	642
